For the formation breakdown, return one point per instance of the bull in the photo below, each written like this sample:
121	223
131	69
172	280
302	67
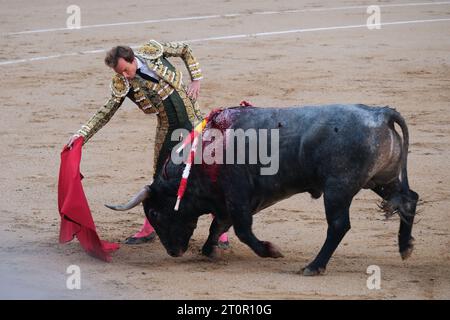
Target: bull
333	150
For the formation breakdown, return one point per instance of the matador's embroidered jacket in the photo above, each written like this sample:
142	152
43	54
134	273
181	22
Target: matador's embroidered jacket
147	95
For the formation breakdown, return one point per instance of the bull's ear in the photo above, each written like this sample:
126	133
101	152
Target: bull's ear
137	199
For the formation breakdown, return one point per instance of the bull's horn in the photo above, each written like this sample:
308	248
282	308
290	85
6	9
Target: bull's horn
138	198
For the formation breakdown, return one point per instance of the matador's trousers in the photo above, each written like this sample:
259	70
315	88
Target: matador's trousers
174	116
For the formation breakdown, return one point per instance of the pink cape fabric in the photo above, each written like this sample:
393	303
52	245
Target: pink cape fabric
76	218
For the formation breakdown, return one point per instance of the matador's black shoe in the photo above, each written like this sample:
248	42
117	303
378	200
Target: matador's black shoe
224	245
140	240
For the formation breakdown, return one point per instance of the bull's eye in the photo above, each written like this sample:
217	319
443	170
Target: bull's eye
154	214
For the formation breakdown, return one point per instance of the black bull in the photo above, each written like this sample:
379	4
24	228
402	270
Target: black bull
332	150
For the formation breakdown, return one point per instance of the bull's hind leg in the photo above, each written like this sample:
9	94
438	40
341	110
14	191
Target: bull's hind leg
395	200
337	204
405	238
218	226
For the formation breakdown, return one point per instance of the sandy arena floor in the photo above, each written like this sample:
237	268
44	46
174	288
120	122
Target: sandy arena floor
45	100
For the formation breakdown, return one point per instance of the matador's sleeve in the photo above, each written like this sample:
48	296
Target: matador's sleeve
180	49
119	87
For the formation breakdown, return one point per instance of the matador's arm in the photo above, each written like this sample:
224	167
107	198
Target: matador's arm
119	89
182	50
100	118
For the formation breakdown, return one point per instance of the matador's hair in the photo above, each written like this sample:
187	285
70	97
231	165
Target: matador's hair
113	55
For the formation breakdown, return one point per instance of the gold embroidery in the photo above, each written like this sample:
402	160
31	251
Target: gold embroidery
119	86
152	50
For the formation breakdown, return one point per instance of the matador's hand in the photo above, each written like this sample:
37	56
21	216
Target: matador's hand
72	140
194	89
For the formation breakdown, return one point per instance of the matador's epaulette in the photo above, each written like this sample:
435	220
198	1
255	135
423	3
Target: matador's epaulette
151	50
119	86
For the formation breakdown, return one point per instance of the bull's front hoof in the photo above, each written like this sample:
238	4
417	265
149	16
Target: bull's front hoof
406	253
310	271
272	250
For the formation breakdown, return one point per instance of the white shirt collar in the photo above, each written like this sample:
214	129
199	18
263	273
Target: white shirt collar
144	68
139	62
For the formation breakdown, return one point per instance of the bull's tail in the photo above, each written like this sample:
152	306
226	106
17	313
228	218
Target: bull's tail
404	204
396	117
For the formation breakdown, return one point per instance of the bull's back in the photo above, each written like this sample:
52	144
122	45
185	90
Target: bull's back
301	118
315	142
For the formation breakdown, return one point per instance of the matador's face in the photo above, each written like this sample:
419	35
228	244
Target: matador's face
126	69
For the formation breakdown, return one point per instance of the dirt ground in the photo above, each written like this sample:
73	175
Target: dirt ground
45	100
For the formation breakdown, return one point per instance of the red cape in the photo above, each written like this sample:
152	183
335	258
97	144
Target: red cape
76	218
